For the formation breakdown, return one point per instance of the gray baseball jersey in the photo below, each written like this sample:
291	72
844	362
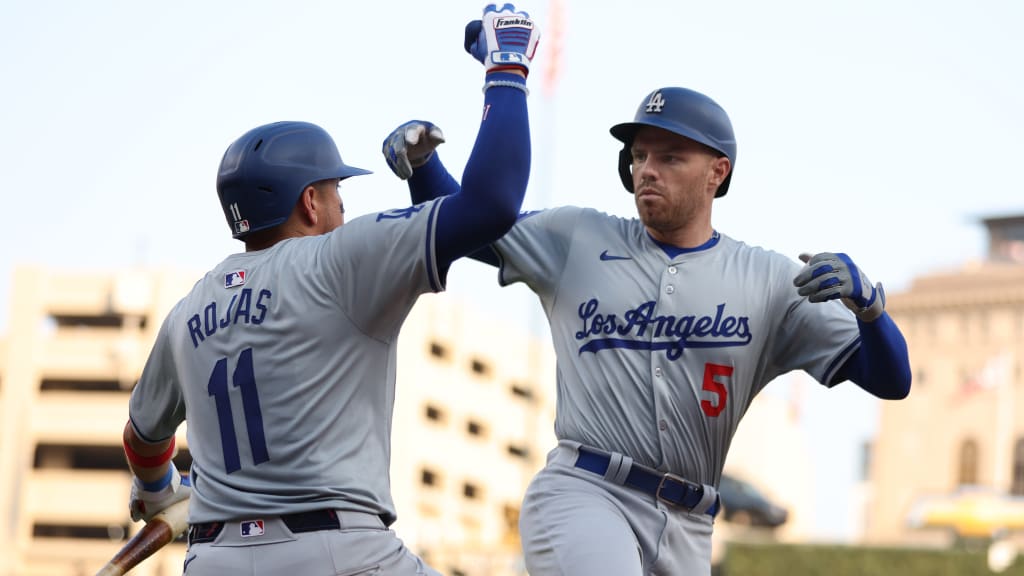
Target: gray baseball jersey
284	360
659	353
660	356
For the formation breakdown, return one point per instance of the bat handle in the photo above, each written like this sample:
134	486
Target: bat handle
140	547
157	533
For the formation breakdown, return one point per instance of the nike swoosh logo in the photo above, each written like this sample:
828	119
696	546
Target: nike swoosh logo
605	256
189	561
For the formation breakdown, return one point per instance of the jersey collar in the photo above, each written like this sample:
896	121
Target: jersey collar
674	251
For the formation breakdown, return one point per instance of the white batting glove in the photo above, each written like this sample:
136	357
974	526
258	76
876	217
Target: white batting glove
827	276
503	40
410	146
144	504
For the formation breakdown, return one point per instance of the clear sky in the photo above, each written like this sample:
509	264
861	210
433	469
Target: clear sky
881	128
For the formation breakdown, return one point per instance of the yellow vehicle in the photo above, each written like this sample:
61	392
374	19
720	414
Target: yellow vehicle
972	512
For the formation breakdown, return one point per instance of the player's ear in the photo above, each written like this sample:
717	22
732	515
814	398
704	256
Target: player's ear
307	205
720	168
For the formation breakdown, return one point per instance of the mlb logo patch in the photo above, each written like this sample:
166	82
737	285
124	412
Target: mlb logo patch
251	528
234	279
241	226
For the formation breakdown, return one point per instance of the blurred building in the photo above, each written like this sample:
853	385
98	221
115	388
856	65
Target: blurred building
961	431
770	451
472	423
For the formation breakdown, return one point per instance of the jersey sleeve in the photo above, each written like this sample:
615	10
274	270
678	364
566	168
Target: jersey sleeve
814	337
380	263
157	407
535	251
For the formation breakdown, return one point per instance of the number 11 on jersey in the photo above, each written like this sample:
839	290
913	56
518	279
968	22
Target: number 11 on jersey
244	379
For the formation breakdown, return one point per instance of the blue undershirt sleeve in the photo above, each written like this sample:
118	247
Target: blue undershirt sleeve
486	204
881	365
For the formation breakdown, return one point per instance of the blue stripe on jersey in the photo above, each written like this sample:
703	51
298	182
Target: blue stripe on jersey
436	284
838	362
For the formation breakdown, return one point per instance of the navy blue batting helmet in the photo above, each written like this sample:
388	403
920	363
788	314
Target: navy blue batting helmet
684	112
264	172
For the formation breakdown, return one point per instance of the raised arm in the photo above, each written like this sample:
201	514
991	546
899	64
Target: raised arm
881	365
485	205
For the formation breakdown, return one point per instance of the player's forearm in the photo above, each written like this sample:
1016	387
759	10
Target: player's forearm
431	180
498	169
494	181
881	365
148	461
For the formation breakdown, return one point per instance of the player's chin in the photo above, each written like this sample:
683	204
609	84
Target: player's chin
651	218
649	203
650	207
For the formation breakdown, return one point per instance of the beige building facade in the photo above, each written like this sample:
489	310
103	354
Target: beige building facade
472	423
961	431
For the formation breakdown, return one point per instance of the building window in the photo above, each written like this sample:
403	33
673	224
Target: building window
522	391
58	385
510	514
104	533
1017	488
433	413
866	453
438	350
480	367
111	320
968	462
429	478
471	491
518	451
475	428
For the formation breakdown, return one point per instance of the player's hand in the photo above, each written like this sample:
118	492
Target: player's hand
410	146
503	40
144	504
827	276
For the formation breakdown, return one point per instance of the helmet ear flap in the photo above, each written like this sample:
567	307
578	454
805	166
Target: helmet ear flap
625	171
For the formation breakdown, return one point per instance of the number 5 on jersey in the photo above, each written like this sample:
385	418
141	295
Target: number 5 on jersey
244	379
716	387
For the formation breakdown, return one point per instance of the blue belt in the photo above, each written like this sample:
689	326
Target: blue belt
665	487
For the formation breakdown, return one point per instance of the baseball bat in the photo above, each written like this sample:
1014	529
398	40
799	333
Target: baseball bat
161	530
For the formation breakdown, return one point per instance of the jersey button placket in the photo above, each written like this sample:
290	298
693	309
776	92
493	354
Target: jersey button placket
661	388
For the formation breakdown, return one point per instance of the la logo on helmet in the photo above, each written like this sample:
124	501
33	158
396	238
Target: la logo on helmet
656	103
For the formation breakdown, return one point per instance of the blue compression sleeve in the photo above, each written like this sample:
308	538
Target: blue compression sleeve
881	364
431	180
493	184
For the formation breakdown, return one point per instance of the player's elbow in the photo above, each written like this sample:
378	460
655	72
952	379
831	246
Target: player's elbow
896	388
505	219
898	393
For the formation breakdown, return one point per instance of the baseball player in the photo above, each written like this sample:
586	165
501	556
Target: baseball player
665	329
282	358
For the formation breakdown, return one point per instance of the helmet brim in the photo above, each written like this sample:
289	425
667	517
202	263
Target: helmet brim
350	171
